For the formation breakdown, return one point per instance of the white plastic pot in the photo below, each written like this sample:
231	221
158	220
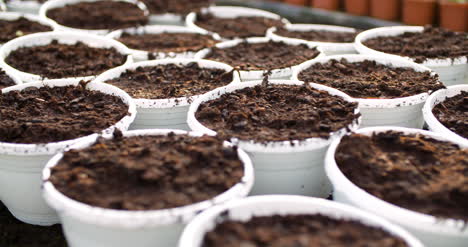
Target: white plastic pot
53	4
432	231
230	12
329	48
450	71
15	78
11	16
163	113
141	55
432	122
21	164
403	112
251	75
172	19
42	39
86	225
283	167
263	206
26	7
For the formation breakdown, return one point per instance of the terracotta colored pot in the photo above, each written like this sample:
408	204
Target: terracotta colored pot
326	4
385	9
357	7
454	16
297	2
419	12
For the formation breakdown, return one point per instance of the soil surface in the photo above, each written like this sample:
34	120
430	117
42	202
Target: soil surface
432	43
57	60
5	80
369	79
171	81
17	28
299	231
412	171
263	56
239	27
182	7
453	113
168	42
148	172
46	114
14	233
276	113
318	35
99	15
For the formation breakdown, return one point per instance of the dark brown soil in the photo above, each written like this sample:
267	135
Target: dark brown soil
263	56
453	113
412	171
299	231
149	172
168	42
318	35
56	60
5	80
182	7
433	43
14	233
171	81
56	114
369	79
239	27
276	113
99	15
20	27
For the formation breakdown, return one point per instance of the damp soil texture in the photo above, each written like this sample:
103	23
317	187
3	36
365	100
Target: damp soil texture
415	172
57	60
14	233
318	35
5	80
99	15
299	231
148	172
239	27
44	115
368	79
432	43
181	7
168	42
12	29
263	56
171	81
453	113
276	113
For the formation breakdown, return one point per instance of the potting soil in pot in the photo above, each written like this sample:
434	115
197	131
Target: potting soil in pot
432	43
5	80
168	42
14	233
411	171
453	113
57	60
181	7
239	27
148	172
55	114
171	81
263	56
318	35
298	231
276	113
15	28
99	15
369	79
